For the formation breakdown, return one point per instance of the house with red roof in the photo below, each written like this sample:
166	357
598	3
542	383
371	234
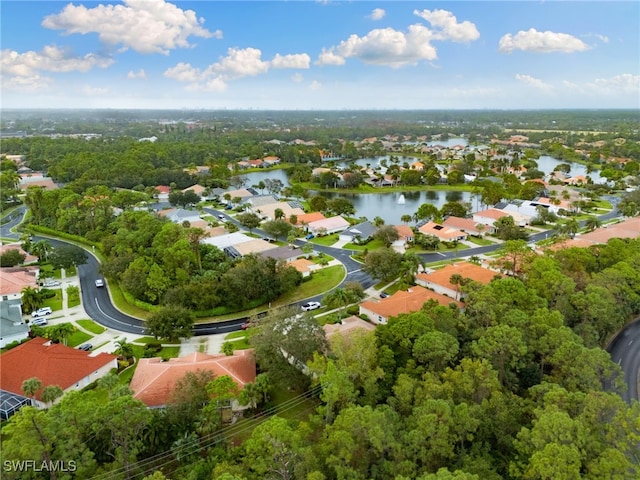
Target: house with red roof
412	300
154	379
440	280
442	232
53	364
468	225
489	216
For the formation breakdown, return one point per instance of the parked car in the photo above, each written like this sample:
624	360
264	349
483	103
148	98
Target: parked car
310	306
39	322
41	312
99	283
383	295
221	217
51	283
85	347
310	236
245	325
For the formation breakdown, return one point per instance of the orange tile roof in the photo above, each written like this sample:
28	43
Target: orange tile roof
465	269
301	264
405	231
464	224
441	231
408	301
154	380
492	213
309	217
52	363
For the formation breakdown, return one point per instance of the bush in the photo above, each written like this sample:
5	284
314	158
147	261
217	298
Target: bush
353	310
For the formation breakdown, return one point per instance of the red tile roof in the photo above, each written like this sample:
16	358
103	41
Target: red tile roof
408	301
52	363
154	379
466	270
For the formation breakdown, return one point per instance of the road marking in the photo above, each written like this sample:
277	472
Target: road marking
114	319
354	271
441	254
619	361
630	342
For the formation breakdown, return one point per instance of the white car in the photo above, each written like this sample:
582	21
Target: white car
310	306
41	312
40	322
99	283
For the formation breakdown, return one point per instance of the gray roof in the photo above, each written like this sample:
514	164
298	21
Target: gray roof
11	319
260	200
282	253
363	230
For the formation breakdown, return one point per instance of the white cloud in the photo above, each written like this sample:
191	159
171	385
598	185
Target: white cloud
146	26
446	26
238	63
139	74
330	57
377	14
315	85
541	42
23	70
297	77
534	82
300	60
626	83
394	48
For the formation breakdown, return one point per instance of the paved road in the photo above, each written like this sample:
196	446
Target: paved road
625	351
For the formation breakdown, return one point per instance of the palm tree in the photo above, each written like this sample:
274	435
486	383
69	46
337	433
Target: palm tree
31	299
50	393
456	279
572	226
124	349
278	213
30	386
61	332
42	249
592	223
405	218
338	298
108	382
378	221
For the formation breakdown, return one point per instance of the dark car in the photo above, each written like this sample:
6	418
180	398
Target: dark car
383	295
85	347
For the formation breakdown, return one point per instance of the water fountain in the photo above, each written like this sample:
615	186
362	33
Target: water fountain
401	199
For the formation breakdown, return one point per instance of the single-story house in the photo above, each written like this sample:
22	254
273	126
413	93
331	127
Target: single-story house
154	380
53	364
163	192
285	253
359	234
489	216
180	215
228	240
307	218
347	326
14	279
271	161
443	233
255	245
468	225
522	214
12	328
328	226
257	201
36	179
10	403
407	235
440	280
197	189
412	300
241	193
268	211
303	265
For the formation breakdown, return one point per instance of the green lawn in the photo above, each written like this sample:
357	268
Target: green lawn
92	326
54	302
78	338
120	303
479	241
371	246
73	299
146	340
326	240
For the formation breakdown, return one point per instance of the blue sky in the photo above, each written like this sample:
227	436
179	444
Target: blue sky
320	55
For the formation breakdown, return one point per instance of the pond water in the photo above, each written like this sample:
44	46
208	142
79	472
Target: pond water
386	206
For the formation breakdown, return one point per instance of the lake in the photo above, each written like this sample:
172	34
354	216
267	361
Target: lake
386	206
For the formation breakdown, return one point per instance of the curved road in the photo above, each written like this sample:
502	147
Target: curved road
624	349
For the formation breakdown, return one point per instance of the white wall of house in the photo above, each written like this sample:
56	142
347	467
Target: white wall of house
373	316
442	290
16	337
